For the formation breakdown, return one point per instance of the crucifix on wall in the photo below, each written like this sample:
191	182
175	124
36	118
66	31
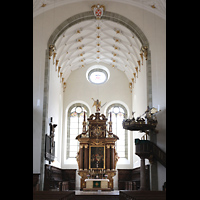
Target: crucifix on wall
52	130
50	143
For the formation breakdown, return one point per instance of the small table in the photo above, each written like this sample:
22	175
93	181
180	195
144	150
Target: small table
97	184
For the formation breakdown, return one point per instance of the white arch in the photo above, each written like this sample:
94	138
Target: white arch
77	101
114	102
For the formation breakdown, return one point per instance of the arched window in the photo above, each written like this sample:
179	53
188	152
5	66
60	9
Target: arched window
74	127
119	112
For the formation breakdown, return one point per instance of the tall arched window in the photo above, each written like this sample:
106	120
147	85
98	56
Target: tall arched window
74	127
119	112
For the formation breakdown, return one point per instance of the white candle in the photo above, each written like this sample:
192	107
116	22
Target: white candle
158	107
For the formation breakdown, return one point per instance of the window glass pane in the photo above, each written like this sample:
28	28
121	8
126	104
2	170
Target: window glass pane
74	123
121	136
114	125
121	110
73	131
80	130
73	154
73	109
121	154
80	121
73	142
78	109
73	147
97	77
118	114
116	110
121	143
74	119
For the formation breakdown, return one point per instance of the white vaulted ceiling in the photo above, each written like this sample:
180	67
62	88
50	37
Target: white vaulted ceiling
97	41
157	7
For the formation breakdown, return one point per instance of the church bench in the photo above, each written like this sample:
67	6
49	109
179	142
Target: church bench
36	178
64	179
129	179
53	195
142	195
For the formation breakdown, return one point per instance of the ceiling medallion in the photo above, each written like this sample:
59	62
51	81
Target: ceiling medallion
98	10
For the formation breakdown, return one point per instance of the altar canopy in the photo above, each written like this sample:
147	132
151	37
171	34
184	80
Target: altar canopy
97	156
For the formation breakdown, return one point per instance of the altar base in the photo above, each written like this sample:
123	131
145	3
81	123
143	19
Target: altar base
97	184
96	189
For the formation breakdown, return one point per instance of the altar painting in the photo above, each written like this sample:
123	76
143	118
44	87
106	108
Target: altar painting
97	155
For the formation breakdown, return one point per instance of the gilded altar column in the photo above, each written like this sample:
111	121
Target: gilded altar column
112	157
81	156
108	157
86	157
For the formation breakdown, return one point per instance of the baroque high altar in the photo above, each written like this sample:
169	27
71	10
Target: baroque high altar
97	157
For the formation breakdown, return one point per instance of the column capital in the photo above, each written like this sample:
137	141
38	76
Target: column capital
86	145
107	146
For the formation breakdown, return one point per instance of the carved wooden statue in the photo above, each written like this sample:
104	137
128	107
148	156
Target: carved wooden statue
97	103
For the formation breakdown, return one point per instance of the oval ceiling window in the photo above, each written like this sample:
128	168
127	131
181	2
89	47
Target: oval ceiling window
97	75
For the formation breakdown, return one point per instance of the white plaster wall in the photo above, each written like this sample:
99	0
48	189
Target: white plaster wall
159	90
55	110
38	89
139	105
79	89
155	30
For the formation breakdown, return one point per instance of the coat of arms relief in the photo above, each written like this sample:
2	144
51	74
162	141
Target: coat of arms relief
98	10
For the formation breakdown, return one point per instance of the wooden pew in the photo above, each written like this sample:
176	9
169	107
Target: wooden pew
142	195
54	195
36	178
129	179
64	179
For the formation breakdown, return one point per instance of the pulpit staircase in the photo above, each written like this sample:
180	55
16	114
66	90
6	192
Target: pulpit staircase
150	151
